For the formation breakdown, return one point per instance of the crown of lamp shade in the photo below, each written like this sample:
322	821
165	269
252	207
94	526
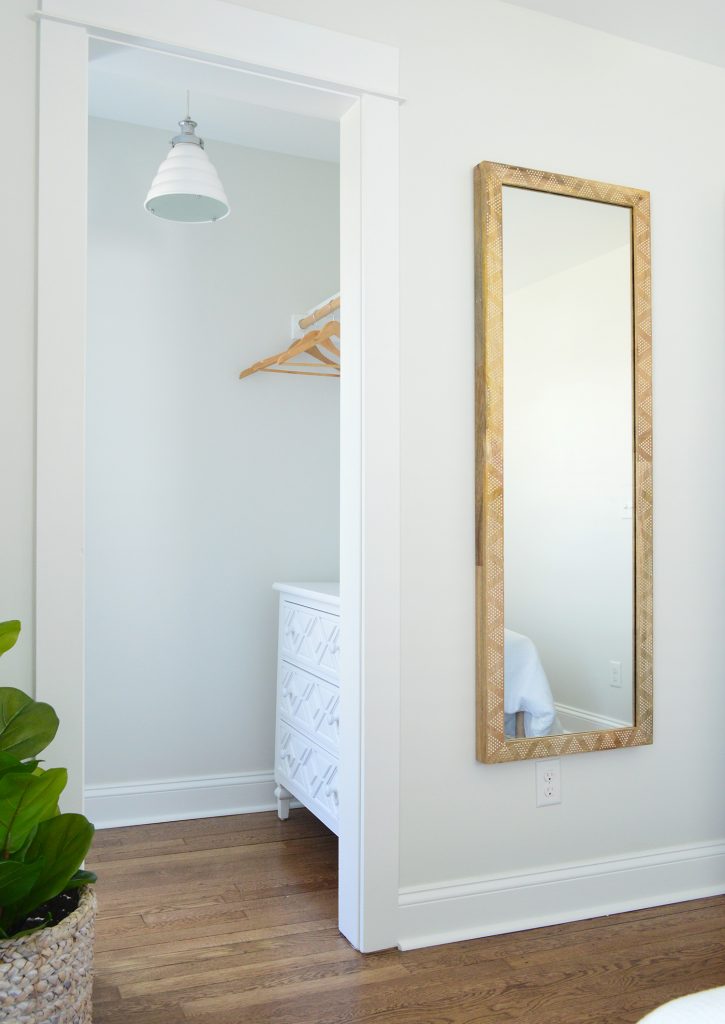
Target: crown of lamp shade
187	186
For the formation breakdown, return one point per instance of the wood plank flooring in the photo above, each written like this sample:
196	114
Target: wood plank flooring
233	921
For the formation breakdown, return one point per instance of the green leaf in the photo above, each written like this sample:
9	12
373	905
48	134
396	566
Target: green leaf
8	763
25	801
60	845
9	633
26	726
17	879
81	878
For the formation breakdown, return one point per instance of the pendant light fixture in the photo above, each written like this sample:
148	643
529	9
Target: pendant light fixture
187	186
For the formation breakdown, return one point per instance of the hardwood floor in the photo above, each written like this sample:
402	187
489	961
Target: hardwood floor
233	921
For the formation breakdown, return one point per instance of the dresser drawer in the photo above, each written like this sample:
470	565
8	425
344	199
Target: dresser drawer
311	704
309	771
311	638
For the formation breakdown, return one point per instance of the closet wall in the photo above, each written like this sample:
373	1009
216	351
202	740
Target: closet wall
202	489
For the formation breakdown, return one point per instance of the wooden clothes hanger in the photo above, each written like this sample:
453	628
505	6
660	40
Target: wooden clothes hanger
312	343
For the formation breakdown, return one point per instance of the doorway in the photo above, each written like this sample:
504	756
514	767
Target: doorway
203	491
365	76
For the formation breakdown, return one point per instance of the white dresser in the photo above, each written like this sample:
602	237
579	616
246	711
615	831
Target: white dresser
306	756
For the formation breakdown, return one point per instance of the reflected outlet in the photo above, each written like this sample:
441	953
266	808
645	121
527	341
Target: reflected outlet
548	782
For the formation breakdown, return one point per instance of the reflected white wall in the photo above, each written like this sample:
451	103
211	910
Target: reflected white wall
568	457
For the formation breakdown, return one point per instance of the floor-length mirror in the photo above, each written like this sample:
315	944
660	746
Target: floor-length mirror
564	517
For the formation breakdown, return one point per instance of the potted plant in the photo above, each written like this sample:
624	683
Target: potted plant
47	906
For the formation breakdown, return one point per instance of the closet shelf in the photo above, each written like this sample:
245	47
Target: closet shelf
317	343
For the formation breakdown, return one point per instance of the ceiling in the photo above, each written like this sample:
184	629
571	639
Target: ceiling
148	88
145	87
693	29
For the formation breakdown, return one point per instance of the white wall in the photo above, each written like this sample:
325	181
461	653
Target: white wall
484	80
518	87
17	349
202	489
487	81
568	550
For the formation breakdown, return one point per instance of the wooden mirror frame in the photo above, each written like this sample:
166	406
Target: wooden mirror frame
492	746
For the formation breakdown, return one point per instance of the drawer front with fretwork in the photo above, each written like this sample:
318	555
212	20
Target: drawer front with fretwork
309	772
310	638
311	704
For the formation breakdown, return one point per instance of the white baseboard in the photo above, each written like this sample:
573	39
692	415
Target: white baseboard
472	908
206	796
579	720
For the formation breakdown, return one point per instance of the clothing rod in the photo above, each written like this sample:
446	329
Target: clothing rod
318	314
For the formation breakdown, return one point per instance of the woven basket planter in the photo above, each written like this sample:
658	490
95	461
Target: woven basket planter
47	977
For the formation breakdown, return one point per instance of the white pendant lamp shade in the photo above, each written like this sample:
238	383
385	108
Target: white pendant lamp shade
187	186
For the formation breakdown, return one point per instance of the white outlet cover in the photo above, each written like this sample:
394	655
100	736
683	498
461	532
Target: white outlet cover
548	782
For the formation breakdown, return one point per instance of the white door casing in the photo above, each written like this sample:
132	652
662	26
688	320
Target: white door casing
366	73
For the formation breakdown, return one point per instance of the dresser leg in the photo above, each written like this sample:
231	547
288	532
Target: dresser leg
283	799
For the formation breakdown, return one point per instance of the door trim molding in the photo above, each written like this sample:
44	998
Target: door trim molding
367	73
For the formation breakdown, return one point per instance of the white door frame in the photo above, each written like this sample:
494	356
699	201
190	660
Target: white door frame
370	462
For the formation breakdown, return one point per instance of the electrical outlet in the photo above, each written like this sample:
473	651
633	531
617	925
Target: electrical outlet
548	782
615	673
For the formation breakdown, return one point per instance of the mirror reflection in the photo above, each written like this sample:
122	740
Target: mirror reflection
568	464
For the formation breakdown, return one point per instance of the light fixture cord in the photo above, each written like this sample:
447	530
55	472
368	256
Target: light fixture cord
188	118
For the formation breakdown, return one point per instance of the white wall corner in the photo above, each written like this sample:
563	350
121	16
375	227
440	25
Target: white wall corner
493	905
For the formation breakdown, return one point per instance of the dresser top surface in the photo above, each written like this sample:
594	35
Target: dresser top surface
328	591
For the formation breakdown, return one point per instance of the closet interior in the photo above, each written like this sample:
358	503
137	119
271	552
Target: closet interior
212	671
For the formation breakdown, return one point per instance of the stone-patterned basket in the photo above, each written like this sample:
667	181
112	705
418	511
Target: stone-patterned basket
47	977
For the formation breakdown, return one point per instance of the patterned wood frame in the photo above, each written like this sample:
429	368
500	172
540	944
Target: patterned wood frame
491	744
